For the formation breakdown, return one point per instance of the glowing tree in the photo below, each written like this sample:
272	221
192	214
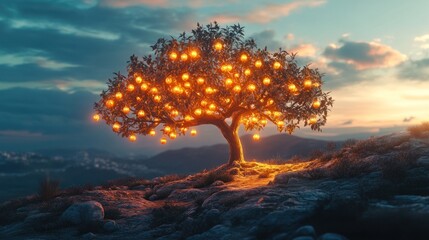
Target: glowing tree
213	76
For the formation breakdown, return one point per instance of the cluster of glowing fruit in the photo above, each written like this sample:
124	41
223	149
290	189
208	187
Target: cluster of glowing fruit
213	78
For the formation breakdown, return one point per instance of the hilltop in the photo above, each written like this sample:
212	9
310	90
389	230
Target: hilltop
371	189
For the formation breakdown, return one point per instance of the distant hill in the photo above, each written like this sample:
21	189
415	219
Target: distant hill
190	160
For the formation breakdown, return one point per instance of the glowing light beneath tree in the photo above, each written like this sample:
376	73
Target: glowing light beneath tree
193	132
163	140
152	132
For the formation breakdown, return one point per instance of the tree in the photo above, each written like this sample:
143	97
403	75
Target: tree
213	76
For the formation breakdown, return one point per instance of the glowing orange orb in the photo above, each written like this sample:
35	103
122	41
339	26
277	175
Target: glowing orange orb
96	117
266	81
152	132
163	140
292	87
198	112
228	82
193	132
212	106
141	113
276	65
184	57
118	95
313	120
126	110
173	56
132	138
139	79
209	90
251	87
247	72
308	83
144	87
157	98
258	64
116	126
110	103
154	90
280	124
237	88
173	135
194	54
243	57
168	80
256	137
218	46
130	87
200	80
316	104
185	76
187	84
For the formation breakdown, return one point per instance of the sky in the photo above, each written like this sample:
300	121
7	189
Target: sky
56	56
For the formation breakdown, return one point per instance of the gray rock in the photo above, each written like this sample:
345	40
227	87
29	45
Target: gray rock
332	236
83	213
306	230
89	235
187	195
110	226
303	238
166	189
218	183
284	178
423	160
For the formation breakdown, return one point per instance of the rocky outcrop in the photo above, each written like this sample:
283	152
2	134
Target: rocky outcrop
363	191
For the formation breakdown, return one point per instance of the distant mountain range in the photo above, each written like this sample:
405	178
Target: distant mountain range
20	173
277	147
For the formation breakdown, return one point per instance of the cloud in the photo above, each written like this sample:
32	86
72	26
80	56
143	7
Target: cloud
415	70
348	122
408	119
32	57
422	38
267	38
267	13
129	3
364	55
304	50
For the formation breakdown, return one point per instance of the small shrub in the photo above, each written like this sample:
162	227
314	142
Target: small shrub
348	167
169	213
48	188
170	178
395	169
419	131
211	177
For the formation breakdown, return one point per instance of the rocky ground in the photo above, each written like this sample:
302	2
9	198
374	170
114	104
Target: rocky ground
372	189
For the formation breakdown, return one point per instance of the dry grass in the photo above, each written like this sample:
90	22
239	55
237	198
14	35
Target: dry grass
419	131
49	188
395	169
168	213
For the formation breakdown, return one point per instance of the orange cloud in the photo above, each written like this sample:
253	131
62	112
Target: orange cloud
268	13
304	50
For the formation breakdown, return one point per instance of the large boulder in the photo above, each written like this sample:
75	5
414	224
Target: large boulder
83	213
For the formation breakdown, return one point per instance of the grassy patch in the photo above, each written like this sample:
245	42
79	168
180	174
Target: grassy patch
168	213
419	131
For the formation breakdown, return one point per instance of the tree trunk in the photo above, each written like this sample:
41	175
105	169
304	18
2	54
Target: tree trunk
231	135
